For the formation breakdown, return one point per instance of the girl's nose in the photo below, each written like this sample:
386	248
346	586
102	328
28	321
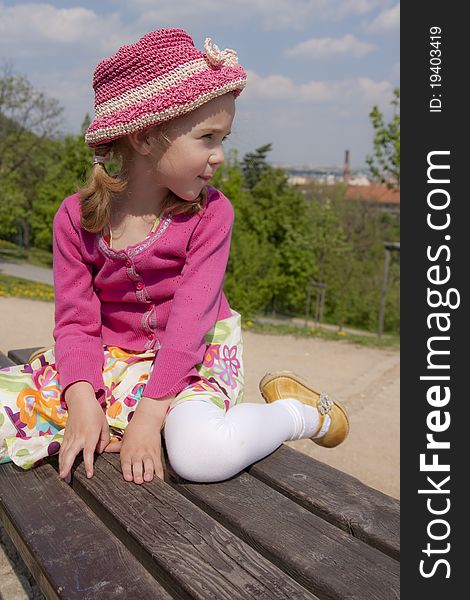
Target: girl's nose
217	157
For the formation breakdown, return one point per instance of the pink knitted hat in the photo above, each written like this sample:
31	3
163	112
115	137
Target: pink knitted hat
160	77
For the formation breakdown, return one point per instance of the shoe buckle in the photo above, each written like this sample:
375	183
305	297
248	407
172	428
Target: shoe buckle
324	404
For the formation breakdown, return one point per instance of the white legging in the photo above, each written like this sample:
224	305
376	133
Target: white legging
206	444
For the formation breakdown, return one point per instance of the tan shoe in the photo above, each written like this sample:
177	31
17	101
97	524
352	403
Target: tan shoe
286	384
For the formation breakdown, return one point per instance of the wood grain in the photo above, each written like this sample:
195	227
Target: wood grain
68	550
320	556
184	548
337	497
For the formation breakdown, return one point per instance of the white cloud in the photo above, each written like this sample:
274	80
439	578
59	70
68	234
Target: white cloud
26	29
361	92
341	9
273	87
318	91
279	87
326	47
359	6
388	20
312	122
270	15
374	92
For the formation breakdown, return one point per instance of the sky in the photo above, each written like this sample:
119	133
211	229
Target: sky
315	68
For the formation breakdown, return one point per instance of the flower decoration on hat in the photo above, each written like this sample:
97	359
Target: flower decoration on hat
217	57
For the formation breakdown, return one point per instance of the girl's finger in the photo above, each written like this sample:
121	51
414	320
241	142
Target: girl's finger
104	438
159	468
102	443
157	465
148	468
66	463
137	469
61	457
67	478
126	468
113	447
88	460
63	474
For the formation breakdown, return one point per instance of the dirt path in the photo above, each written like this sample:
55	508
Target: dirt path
366	380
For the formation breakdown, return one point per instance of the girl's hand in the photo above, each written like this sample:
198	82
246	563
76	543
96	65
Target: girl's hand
141	444
86	429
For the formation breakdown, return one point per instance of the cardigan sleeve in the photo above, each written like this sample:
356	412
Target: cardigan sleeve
196	302
79	352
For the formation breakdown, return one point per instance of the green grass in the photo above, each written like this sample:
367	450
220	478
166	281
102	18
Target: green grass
32	256
391	342
38	257
23	288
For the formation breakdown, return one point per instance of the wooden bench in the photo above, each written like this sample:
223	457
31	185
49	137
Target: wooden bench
288	526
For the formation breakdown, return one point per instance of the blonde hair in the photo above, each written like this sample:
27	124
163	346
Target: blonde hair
97	194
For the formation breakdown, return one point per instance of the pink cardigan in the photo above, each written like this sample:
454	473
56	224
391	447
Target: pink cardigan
165	292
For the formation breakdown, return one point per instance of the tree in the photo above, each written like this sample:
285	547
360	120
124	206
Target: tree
276	214
70	162
29	121
270	258
385	163
254	165
246	270
27	117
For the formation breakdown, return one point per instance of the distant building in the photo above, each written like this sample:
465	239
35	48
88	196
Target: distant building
360	179
362	189
298	180
305	180
358	185
378	195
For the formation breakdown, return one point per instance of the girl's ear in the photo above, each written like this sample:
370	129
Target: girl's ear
139	141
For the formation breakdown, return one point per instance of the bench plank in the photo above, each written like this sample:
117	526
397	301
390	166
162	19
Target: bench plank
333	535
335	496
320	556
21	355
70	553
177	542
5	361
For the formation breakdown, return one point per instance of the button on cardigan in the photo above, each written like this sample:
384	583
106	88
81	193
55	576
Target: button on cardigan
165	293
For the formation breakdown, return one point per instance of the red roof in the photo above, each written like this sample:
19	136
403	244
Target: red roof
373	193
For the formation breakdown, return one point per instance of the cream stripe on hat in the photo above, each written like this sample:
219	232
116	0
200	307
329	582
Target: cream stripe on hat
148	90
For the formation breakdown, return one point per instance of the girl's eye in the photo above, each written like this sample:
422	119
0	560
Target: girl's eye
210	135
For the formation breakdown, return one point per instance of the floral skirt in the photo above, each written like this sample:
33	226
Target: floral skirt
32	421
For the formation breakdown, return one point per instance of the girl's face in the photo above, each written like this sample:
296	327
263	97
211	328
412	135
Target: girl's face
195	151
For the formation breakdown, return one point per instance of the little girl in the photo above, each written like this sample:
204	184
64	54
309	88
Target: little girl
145	340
